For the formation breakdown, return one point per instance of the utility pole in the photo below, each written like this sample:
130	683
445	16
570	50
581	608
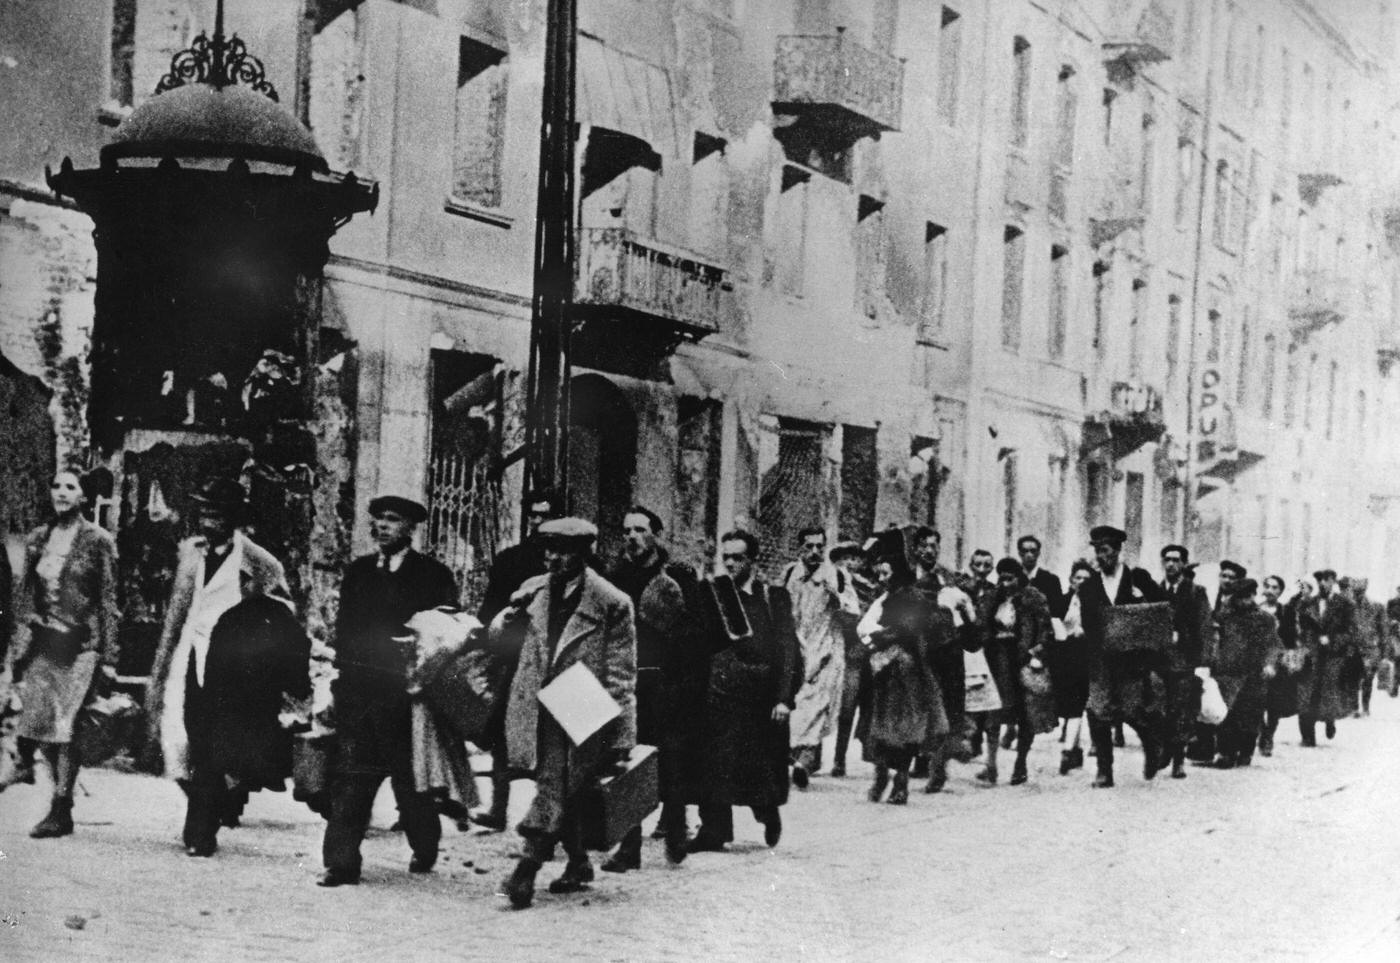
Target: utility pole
547	398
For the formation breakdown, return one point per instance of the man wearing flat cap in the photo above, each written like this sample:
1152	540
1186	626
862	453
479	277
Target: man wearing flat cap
573	616
373	717
1193	632
1326	629
1120	683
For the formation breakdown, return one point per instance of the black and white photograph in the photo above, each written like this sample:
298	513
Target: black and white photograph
700	480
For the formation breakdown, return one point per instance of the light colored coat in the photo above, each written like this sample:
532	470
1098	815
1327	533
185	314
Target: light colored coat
600	635
258	574
87	594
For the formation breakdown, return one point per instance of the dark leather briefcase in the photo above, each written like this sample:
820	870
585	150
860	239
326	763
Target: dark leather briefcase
1146	627
622	801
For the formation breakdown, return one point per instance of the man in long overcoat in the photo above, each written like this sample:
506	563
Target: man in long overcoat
753	681
573	616
1123	686
1246	637
1372	635
1192	629
665	642
950	624
1326	626
373	715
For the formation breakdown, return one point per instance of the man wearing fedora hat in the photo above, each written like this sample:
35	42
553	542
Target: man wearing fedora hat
373	718
1327	626
218	569
1120	684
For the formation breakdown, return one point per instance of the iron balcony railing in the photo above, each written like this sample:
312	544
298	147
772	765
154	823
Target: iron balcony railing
618	269
833	71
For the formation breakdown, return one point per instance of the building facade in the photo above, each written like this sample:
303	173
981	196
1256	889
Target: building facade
1001	267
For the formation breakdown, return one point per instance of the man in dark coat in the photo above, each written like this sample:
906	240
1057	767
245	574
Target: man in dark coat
257	652
856	683
1326	626
753	682
950	624
373	717
572	617
509	570
659	593
7	615
1372	636
1281	687
1191	636
1246	636
1046	583
1121	684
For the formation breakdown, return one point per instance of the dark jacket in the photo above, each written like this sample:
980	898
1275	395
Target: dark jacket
7	614
1247	635
742	753
1192	622
665	632
1048	585
509	570
1028	637
257	652
87	595
1120	686
372	714
1320	683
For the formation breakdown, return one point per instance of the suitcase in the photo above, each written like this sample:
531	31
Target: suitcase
311	770
620	802
466	692
1136	628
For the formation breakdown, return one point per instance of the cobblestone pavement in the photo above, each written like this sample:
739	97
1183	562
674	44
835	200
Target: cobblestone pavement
1295	858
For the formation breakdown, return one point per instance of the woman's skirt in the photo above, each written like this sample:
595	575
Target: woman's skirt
51	694
1068	662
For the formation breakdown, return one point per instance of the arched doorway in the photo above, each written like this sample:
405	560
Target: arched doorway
602	456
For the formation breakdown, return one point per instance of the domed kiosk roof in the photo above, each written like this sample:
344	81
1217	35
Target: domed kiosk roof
202	120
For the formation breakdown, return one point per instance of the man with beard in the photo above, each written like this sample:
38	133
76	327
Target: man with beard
950	622
572	616
1191	633
664	647
1326	626
821	594
753	682
1120	682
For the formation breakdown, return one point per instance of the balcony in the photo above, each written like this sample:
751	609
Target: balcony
1024	188
1387	354
1133	419
1317	299
838	85
1137	33
1118	204
1058	201
665	294
1312	185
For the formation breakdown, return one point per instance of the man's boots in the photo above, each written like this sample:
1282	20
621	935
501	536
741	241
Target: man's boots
59	821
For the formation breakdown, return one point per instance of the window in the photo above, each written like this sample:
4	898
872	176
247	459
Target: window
1331	399
1100	307
789	225
1136	326
1066	112
1059	302
949	43
1134	492
1173	338
1214	336
935	294
709	194
1242	383
336	94
1109	96
1013	272
1008	503
1309	377
1145	161
1361	417
121	86
1185	180
870	254
480	130
1020	91
1270	373
1260	45
1290	390
860	481
1285	100
1221	222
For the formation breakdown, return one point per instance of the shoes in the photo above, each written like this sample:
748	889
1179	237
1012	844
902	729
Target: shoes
1118	742
338	877
59	821
519	887
1178	769
490	820
1008	739
1104	780
202	850
1266	747
620	862
936	782
576	877
422	864
800	777
1151	760
1331	730
838	771
988	776
19	774
899	795
960	752
1224	762
1309	743
882	780
676	850
1018	773
773	829
704	844
1071	759
921	768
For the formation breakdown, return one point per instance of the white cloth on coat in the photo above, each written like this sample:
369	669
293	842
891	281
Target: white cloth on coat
818	598
211	600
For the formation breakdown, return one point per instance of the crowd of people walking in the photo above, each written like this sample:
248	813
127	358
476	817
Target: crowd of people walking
736	680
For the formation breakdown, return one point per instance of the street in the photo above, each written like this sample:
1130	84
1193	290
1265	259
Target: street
1293	858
